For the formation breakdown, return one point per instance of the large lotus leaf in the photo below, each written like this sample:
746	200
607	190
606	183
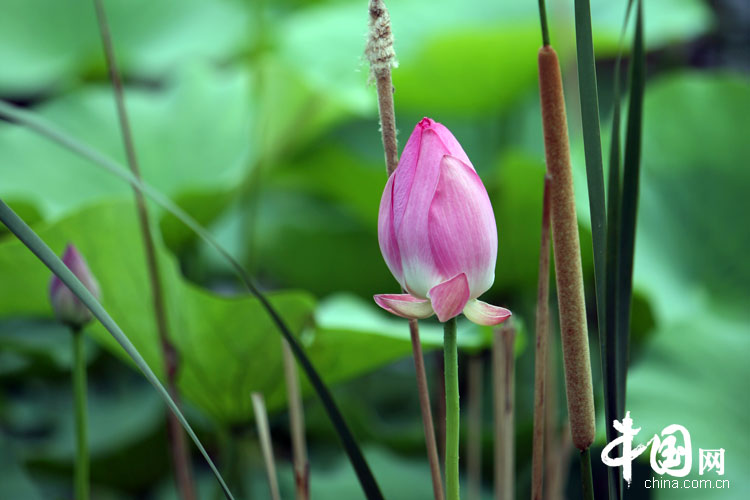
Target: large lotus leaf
225	344
228	346
46	44
190	135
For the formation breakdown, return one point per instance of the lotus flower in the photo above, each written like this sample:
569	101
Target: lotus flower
437	232
68	308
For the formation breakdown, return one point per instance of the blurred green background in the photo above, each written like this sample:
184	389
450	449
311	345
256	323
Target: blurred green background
256	117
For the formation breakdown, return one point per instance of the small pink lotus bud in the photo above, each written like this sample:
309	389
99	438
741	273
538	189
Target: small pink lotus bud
437	231
67	307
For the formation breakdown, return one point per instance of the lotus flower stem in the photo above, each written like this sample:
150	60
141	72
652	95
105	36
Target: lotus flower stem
80	405
540	355
264	434
574	334
452	413
382	58
474	442
178	444
424	404
503	370
297	424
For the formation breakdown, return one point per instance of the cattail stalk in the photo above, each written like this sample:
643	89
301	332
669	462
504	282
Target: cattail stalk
567	253
382	59
540	356
503	375
178	444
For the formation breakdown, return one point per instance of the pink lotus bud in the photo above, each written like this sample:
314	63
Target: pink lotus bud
68	308
437	231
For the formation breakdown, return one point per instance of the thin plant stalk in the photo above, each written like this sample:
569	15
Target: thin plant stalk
264	434
382	59
452	410
474	441
551	425
541	350
296	424
503	376
39	248
424	405
587	481
558	445
178	445
356	458
81	418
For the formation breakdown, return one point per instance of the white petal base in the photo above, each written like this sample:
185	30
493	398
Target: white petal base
405	305
486	314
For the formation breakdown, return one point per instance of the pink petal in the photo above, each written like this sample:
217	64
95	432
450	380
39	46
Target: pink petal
486	314
449	297
405	305
450	143
462	230
387	235
420	273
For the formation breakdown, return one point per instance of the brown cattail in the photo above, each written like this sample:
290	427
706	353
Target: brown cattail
382	58
567	252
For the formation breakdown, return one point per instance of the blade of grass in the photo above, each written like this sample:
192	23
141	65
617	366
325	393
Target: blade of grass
592	147
629	209
367	480
608	339
32	241
177	445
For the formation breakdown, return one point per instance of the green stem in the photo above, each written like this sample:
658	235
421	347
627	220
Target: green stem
79	395
543	22
587	480
452	413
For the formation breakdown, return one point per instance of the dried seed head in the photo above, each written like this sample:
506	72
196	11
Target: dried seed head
379	50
